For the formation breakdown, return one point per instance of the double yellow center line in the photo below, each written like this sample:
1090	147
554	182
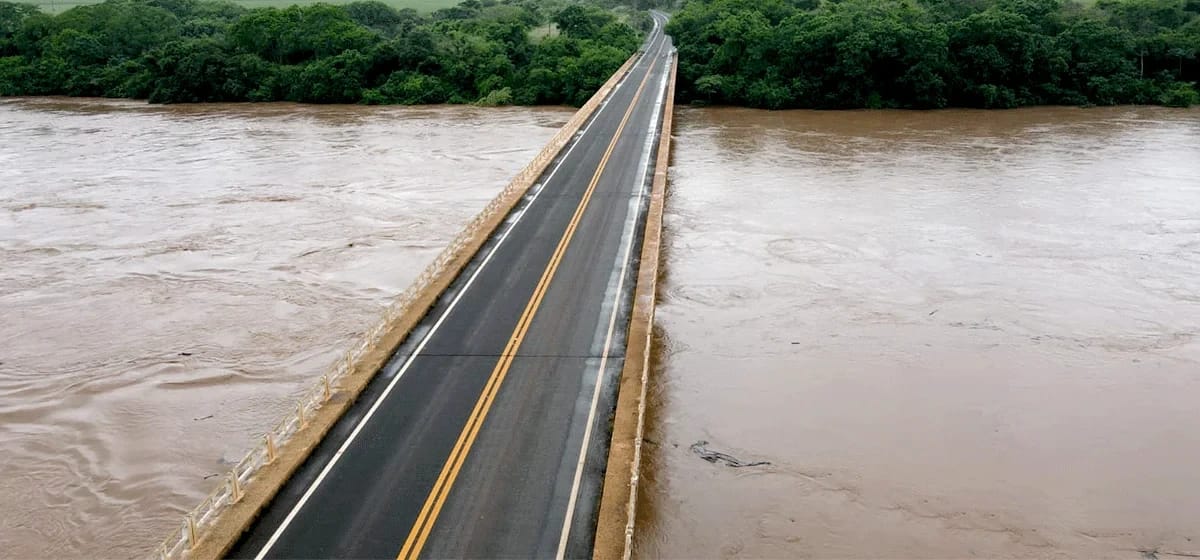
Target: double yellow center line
441	489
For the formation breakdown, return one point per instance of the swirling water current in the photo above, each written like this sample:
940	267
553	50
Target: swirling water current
953	334
173	278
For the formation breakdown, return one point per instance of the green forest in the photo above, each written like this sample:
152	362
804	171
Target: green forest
927	54
775	54
489	52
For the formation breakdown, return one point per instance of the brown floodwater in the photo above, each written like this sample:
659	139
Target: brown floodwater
952	334
172	278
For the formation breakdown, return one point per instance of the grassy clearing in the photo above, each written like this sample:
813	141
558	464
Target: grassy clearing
423	6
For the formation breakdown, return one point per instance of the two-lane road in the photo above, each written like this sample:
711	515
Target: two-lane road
486	434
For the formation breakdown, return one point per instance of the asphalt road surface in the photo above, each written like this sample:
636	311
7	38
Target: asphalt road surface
486	434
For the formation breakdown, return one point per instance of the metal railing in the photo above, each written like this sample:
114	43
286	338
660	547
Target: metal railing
230	491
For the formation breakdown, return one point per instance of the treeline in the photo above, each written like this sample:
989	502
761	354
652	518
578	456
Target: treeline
493	52
833	54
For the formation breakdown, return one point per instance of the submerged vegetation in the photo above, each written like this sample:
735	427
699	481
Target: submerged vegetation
171	51
937	53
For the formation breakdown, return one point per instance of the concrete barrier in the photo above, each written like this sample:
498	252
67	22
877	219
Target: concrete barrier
618	501
213	527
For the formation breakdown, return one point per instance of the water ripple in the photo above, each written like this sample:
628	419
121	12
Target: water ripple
173	277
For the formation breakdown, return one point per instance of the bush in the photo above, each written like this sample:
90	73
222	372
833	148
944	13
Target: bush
13	76
496	98
1180	95
408	88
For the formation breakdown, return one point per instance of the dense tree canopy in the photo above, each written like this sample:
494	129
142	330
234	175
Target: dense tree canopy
937	53
760	53
168	51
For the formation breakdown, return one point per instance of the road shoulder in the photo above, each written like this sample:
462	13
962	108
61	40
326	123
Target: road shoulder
618	502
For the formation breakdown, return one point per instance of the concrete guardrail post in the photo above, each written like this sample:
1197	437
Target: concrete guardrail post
190	524
272	452
235	487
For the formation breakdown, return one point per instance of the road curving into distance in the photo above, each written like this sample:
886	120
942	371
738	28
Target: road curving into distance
486	434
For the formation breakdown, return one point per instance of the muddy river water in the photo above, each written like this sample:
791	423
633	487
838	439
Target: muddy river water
172	278
951	334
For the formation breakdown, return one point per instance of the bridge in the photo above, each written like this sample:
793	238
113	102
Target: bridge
486	432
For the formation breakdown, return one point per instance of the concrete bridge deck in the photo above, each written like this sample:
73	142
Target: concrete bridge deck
486	433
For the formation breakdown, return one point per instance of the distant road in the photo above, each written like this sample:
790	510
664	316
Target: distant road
486	435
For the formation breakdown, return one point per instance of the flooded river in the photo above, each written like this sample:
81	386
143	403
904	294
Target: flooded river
951	334
172	278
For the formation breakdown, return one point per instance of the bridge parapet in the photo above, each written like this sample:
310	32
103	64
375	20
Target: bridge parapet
618	501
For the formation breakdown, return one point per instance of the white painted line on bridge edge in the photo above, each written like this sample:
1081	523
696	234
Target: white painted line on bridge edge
612	321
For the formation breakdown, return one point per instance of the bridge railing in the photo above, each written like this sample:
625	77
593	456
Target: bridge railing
230	491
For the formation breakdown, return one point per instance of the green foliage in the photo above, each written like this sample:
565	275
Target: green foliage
411	88
382	18
124	29
1180	95
496	98
336	79
299	34
13	75
581	21
215	10
936	53
182	51
11	17
195	70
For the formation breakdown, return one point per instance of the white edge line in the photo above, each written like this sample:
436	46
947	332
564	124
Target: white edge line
587	433
417	351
